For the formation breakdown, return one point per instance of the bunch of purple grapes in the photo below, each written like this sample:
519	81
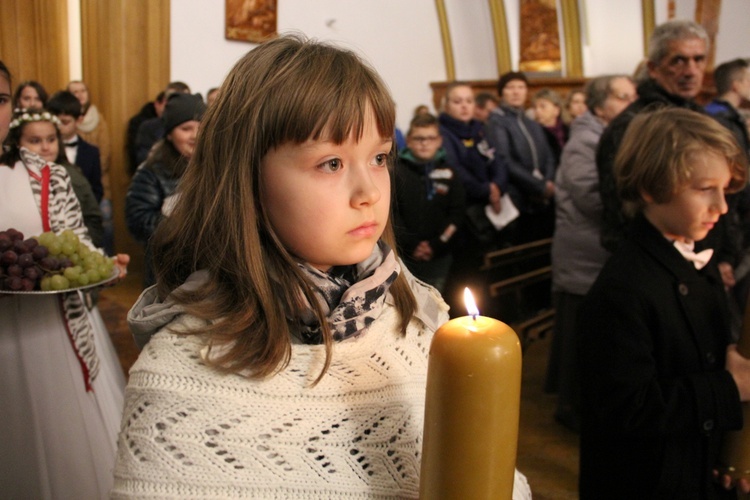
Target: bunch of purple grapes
24	262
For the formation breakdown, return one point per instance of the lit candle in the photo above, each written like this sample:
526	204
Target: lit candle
735	451
471	409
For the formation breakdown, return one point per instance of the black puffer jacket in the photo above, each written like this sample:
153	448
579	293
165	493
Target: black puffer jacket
151	185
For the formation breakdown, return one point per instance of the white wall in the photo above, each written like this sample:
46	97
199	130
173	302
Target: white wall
612	35
733	40
401	38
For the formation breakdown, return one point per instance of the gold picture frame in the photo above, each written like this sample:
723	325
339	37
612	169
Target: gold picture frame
250	20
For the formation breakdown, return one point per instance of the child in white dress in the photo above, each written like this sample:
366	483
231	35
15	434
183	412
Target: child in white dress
62	385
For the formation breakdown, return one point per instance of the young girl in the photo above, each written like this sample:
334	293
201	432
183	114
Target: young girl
62	385
659	384
152	191
287	345
41	135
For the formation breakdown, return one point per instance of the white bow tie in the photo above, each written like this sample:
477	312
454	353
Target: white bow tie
699	259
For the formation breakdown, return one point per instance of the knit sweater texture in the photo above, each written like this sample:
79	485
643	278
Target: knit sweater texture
191	432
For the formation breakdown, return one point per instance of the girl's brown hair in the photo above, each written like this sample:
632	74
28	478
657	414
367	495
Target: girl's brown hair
659	152
287	90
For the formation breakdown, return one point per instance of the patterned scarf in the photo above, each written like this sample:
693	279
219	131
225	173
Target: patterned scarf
351	297
57	216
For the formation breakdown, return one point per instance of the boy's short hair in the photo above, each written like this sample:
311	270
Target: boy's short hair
727	73
659	149
422	121
64	103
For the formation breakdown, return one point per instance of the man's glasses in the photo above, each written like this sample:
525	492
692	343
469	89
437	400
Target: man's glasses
424	138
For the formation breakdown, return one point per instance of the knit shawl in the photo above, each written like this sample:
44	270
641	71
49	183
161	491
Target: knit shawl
191	432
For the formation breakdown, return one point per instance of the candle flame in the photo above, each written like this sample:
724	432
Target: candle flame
471	305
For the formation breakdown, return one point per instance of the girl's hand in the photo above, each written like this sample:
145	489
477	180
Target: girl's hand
121	261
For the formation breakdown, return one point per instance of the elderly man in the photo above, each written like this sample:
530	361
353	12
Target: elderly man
676	63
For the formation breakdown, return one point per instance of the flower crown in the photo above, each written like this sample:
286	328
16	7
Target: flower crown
22	116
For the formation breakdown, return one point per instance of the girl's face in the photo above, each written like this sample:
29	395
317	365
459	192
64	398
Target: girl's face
546	112
29	98
79	90
329	203
6	107
577	105
460	104
696	207
183	137
40	138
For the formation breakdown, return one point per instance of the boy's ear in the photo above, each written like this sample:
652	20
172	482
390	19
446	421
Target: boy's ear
79	120
647	197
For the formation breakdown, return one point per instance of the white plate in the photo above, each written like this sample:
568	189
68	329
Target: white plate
115	274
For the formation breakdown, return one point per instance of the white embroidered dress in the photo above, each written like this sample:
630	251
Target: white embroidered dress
57	440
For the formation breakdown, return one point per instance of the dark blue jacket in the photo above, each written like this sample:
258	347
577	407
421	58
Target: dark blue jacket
89	160
471	157
727	115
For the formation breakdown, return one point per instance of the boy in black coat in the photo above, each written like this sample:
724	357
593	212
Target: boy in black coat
660	383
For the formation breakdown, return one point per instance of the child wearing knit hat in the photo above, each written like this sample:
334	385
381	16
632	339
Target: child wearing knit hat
182	108
152	191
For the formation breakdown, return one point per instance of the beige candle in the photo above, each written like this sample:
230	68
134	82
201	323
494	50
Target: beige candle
735	451
471	409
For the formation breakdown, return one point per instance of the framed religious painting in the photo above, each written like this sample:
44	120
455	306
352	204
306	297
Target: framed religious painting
250	20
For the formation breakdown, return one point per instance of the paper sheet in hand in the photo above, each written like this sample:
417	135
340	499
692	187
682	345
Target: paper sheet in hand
508	213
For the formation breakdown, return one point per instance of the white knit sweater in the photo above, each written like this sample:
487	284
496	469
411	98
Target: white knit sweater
190	432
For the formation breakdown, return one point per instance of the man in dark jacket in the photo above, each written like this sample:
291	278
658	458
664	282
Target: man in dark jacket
676	65
148	111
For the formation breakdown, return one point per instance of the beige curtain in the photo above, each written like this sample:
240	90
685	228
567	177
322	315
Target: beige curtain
34	41
125	45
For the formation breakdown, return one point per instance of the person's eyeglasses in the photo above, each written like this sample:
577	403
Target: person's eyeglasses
424	138
624	97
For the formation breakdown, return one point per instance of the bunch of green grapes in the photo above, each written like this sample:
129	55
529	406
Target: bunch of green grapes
79	264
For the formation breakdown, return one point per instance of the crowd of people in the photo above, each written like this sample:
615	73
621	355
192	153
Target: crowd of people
304	250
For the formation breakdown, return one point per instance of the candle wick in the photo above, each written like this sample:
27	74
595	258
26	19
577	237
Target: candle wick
474	316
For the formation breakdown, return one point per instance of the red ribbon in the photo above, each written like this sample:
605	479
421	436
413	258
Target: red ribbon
44	181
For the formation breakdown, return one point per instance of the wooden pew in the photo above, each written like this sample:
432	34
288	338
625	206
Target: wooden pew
518	281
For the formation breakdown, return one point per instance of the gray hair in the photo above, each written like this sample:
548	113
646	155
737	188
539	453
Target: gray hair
658	45
597	90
